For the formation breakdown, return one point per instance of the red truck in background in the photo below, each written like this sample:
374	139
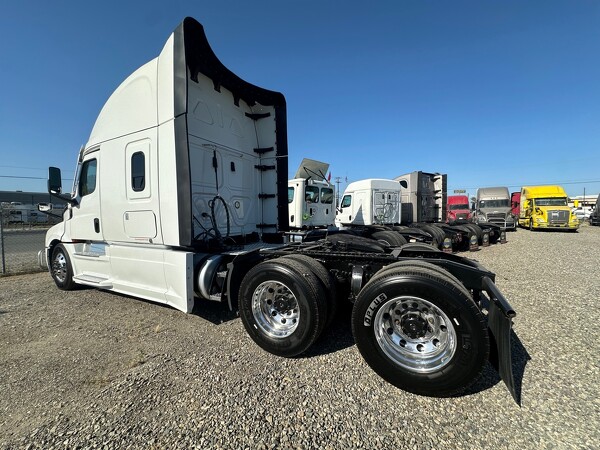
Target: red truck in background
457	209
515	202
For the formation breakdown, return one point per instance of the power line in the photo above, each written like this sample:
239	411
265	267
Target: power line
537	184
26	178
31	178
29	168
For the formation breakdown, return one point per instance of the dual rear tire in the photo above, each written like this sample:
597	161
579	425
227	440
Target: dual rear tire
418	327
284	305
414	323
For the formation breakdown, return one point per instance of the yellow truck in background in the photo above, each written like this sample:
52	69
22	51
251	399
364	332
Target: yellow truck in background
546	207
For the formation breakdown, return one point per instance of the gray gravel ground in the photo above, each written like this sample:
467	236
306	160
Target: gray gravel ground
92	369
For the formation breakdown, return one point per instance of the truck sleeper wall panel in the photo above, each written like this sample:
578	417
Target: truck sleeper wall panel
215	100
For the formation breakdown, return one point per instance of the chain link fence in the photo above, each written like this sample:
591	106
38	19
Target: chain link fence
22	234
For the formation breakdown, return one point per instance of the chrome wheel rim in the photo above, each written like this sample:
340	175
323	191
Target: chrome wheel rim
415	334
59	267
275	309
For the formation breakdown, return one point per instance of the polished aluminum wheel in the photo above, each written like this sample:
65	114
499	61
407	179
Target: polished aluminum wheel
275	309
59	267
415	334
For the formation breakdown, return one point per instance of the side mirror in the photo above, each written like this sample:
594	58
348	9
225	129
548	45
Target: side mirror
55	185
54	181
45	207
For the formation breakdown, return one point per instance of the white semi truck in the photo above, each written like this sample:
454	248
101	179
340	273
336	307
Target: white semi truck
376	208
374	213
371	208
180	198
311	198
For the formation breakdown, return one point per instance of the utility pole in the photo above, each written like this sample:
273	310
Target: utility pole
338	180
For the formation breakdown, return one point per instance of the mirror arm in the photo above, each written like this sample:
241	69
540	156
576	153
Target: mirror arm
70	200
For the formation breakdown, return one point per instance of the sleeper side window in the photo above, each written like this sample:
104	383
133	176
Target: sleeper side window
137	176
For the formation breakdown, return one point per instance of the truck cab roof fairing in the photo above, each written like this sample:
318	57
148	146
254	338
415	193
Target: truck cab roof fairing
192	55
194	51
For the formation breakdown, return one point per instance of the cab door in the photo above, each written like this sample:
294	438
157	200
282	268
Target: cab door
85	222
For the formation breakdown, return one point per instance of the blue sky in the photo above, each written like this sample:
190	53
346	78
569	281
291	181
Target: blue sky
490	92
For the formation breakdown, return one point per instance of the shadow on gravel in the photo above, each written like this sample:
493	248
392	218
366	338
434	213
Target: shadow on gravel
335	338
490	377
215	312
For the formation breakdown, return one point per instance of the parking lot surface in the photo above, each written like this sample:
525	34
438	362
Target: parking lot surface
93	369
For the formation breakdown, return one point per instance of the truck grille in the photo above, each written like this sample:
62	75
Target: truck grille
498	218
556	217
461	216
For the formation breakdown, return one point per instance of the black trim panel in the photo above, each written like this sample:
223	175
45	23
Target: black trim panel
184	182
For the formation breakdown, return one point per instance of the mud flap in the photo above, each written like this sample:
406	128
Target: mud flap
500	315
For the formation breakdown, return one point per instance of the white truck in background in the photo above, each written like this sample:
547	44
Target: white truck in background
311	198
313	214
371	207
180	198
376	209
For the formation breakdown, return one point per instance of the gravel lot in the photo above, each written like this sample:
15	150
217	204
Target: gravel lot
92	369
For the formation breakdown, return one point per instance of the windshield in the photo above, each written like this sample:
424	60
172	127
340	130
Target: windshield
501	203
455	207
560	201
